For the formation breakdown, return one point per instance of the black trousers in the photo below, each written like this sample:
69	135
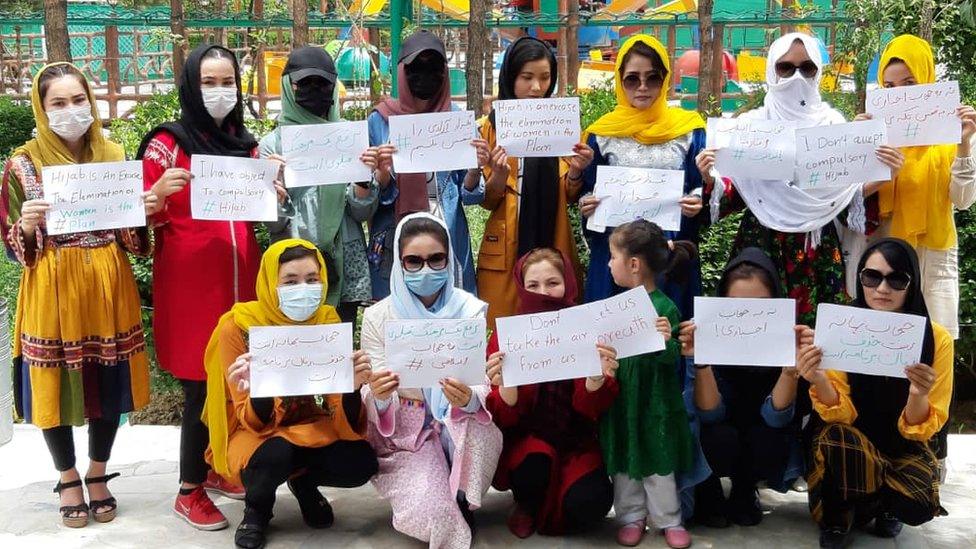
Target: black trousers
585	504
194	435
749	455
101	436
342	464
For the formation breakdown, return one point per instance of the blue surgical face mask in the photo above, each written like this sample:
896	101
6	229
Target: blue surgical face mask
299	301
426	281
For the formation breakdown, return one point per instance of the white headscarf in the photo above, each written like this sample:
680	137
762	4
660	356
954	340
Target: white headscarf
779	205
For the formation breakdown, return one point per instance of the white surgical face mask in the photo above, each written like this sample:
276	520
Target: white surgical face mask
72	122
219	101
299	301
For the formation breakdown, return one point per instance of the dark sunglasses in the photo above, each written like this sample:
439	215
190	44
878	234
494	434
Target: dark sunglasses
651	80
785	69
413	263
897	280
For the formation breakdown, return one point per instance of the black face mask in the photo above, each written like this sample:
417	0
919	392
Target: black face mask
425	80
315	97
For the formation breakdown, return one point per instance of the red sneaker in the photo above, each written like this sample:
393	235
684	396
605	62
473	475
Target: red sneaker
520	523
220	485
197	509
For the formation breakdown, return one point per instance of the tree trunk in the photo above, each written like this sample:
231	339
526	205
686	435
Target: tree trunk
178	30
475	55
56	31
926	13
299	24
489	75
706	95
572	46
220	33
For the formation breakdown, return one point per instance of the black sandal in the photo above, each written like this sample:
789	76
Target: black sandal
111	503
316	511
251	532
67	510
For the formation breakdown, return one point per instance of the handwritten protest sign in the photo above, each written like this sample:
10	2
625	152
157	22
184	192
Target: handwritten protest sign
325	154
93	197
228	188
758	149
537	127
918	115
866	341
840	155
301	360
626	322
548	346
424	352
433	142
745	332
627	194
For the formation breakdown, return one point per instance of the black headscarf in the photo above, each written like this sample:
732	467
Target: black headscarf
879	400
196	131
540	176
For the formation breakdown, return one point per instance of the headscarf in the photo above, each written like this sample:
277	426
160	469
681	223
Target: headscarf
779	205
47	149
531	302
263	312
196	131
451	303
917	201
657	124
413	186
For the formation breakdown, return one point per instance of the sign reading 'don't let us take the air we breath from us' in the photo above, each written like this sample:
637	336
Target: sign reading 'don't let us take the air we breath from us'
747	148
226	188
924	114
627	194
745	331
423	352
866	341
537	127
93	197
433	142
325	154
301	360
840	154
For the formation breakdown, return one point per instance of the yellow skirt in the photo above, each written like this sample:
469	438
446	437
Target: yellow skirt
79	349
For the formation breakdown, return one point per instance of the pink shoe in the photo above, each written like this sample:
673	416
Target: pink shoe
677	537
631	534
520	523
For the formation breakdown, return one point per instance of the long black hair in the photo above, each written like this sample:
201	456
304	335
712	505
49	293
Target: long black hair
646	240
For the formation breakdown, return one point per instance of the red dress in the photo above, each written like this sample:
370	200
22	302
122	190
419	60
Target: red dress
580	453
200	268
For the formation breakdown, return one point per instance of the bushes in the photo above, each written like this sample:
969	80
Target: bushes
16	125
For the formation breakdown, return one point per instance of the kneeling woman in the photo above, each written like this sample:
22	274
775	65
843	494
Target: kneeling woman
552	460
438	447
264	442
872	460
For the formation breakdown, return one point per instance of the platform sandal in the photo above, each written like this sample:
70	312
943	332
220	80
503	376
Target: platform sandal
111	503
67	510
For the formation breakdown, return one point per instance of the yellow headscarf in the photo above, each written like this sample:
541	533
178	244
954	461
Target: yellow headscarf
917	201
659	123
47	149
263	312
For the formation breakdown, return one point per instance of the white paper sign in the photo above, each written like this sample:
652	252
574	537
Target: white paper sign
745	332
840	155
918	115
301	360
627	194
866	341
424	352
433	142
626	322
226	188
325	154
93	197
757	149
548	346
537	127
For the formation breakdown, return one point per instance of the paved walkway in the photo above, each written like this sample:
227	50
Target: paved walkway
146	456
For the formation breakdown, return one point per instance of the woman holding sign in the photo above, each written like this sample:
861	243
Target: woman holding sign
551	459
331	216
79	351
528	198
201	268
644	132
437	447
423	87
265	442
873	459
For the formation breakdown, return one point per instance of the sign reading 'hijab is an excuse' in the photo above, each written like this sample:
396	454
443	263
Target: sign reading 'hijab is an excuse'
753	149
433	142
918	115
325	154
537	127
233	189
93	197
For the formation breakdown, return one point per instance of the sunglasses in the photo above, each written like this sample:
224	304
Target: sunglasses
897	280
651	80
785	69
413	263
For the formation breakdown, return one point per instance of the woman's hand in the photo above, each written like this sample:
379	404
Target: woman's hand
967	115
31	214
686	335
804	335
457	393
483	151
891	157
581	159
862	117
150	202
499	163
663	325
588	205
705	161
171	182
691	205
608	360
279	184
239	373
922	378
808	361
380	159
361	369
382	383
494	368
